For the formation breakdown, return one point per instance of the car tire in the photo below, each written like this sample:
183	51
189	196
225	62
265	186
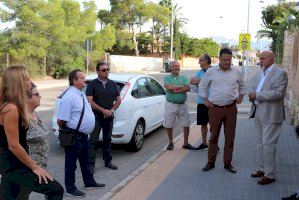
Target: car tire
137	139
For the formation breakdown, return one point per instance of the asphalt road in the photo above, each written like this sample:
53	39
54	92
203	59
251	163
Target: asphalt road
127	161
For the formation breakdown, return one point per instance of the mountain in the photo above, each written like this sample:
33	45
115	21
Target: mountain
262	44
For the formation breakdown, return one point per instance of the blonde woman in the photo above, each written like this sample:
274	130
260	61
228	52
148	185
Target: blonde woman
18	170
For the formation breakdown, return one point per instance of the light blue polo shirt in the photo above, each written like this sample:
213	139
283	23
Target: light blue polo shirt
70	109
200	75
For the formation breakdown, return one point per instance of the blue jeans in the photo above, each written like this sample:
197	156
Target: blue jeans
78	151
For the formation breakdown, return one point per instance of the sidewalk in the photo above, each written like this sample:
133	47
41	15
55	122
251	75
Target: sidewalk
177	175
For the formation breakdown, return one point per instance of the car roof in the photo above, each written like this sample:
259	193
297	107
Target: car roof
123	77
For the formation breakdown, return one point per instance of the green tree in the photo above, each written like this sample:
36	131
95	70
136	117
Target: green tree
275	23
102	42
49	35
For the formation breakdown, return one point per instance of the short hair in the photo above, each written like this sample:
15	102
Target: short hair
100	64
174	61
73	75
225	51
208	58
29	93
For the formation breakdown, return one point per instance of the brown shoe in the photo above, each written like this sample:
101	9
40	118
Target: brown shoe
265	180
258	174
208	167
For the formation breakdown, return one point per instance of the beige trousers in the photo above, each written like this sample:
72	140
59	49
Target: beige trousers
267	137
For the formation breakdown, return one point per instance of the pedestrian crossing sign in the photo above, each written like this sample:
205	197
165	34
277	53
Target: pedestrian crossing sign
244	41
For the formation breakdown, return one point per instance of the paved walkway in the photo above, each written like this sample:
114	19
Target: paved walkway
177	175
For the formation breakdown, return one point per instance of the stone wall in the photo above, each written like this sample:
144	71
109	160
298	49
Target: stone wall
290	63
119	63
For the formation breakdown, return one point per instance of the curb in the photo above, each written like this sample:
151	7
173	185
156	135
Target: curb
135	173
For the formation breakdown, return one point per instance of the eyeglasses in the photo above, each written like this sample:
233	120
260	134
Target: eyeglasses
36	94
104	70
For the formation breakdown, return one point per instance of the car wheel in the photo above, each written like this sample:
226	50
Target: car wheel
137	140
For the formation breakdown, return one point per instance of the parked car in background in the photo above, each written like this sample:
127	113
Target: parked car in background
141	110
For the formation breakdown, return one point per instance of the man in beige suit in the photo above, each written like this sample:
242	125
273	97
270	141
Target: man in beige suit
267	93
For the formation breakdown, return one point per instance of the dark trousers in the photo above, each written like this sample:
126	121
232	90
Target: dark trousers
107	125
227	117
78	151
13	181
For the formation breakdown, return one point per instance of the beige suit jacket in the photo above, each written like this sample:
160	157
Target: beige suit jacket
271	97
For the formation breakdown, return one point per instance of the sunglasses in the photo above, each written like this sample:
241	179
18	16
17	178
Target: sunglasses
36	94
104	70
202	60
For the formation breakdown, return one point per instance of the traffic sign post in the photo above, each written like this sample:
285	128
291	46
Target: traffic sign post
244	41
244	44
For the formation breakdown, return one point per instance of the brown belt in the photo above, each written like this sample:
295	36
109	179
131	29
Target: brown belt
226	106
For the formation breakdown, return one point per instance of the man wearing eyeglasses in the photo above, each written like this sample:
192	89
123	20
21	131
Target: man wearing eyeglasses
202	111
104	98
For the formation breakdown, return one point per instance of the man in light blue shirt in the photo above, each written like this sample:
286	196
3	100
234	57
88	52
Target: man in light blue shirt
202	111
68	116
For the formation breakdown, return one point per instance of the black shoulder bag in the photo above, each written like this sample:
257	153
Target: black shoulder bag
66	135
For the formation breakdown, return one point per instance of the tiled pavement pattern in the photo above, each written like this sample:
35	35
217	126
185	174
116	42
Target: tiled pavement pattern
187	181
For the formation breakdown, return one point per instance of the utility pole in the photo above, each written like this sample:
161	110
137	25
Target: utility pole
245	67
171	34
88	46
7	60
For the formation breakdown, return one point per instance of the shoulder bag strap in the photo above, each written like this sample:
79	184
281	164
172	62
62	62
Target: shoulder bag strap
81	116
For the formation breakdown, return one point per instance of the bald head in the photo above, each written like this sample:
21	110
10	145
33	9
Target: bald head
175	67
267	59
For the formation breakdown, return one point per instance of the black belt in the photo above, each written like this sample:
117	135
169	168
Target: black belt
226	106
176	102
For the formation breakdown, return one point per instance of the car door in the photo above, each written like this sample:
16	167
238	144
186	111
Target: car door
143	93
159	100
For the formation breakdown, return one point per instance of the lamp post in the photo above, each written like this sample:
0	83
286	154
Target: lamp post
171	34
245	66
219	43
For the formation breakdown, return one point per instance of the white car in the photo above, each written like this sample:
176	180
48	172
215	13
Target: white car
140	112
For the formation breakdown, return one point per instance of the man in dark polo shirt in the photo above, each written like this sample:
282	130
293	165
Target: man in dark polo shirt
104	98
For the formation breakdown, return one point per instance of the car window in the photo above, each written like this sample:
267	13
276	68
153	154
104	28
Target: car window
141	89
156	88
134	92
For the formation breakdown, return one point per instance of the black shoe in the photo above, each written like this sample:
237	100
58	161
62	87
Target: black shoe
76	193
170	146
188	146
95	185
292	197
208	167
230	168
201	147
111	166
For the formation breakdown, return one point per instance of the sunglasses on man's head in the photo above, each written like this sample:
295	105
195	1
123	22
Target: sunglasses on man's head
104	70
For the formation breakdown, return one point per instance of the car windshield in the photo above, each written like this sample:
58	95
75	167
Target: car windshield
120	86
